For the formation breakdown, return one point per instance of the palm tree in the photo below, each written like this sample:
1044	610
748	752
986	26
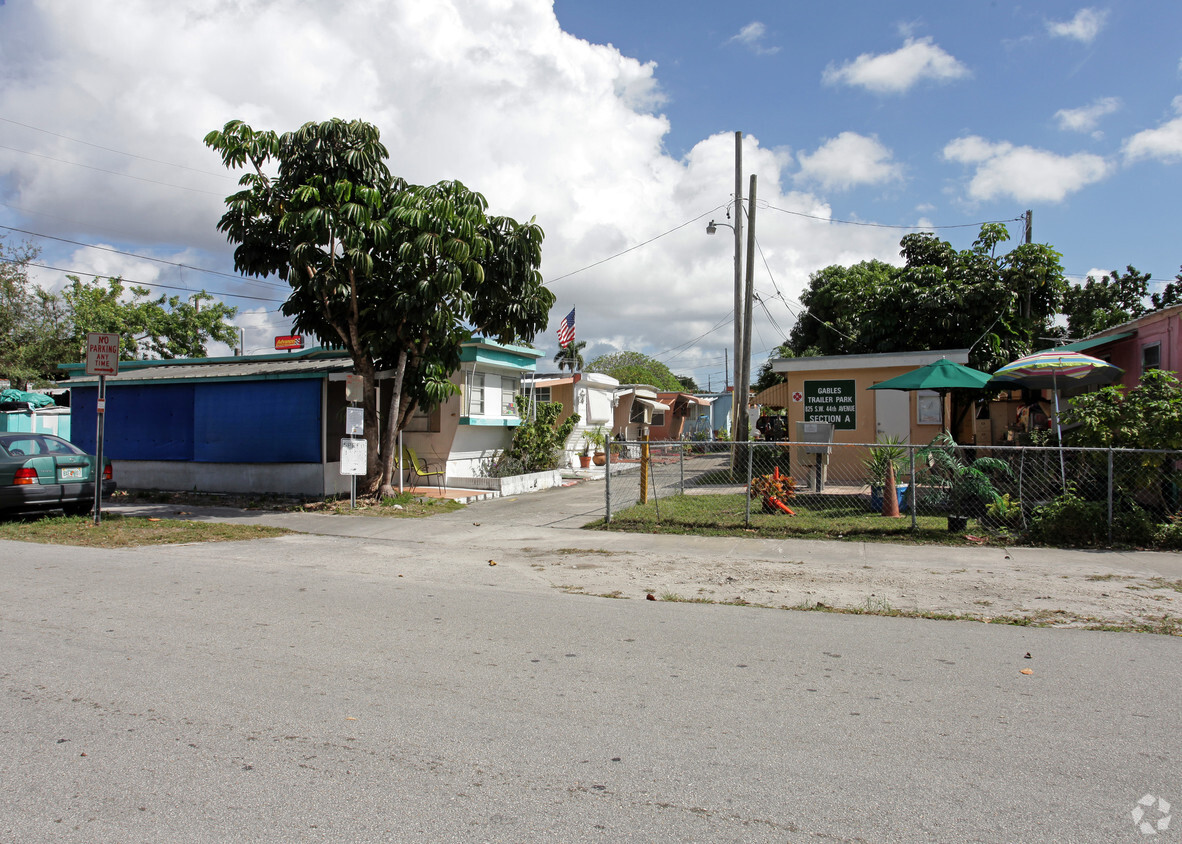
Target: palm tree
571	357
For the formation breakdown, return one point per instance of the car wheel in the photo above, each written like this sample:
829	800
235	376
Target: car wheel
78	508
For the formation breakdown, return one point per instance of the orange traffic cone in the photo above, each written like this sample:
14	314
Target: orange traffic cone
890	494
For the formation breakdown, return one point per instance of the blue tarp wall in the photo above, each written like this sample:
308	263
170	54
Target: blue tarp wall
206	422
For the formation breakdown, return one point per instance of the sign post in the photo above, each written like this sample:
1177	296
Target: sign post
102	359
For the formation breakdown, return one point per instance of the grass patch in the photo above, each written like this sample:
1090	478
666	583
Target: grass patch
404	506
817	517
117	531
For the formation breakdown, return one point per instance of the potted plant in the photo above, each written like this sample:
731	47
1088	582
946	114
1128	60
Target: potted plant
585	454
889	451
598	439
967	484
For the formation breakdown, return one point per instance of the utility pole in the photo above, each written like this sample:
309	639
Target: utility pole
1027	306
737	410
745	384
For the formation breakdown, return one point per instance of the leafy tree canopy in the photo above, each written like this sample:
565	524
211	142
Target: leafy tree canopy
998	305
1147	416
635	368
399	275
1114	299
571	356
39	330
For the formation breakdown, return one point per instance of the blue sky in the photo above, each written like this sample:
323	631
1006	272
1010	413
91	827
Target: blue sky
613	123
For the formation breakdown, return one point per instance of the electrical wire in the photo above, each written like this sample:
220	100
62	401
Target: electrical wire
883	225
145	257
112	172
637	246
218	174
130	281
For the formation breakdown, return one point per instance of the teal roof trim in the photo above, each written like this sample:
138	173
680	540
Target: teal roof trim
1091	343
511	357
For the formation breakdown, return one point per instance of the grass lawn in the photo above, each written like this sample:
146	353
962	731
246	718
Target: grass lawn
116	531
817	517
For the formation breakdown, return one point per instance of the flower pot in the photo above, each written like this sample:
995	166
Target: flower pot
585	461
957	523
599	458
876	497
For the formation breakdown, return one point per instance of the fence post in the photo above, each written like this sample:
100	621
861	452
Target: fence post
681	453
1110	494
750	450
644	469
914	493
607	482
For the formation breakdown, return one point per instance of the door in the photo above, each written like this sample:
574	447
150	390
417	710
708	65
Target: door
892	414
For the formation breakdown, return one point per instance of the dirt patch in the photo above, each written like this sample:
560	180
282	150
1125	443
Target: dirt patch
1023	594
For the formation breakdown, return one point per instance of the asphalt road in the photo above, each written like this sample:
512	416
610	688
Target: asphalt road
364	688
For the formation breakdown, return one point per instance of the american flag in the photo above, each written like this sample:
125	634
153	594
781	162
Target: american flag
566	329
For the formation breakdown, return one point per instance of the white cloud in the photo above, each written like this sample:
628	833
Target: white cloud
1086	118
1084	27
752	37
894	73
1023	173
849	160
1163	143
491	92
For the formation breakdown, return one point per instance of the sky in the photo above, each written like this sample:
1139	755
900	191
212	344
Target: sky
613	123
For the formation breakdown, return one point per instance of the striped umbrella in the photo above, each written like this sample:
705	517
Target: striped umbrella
1051	370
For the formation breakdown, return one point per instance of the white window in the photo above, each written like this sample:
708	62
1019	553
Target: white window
637	415
658	418
476	394
508	392
542	394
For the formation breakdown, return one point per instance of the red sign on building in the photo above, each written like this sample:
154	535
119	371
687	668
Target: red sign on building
291	341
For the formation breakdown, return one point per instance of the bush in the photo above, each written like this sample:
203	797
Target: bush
1169	535
1069	521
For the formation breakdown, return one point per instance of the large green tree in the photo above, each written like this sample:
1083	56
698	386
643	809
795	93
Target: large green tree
163	327
635	368
997	305
40	330
399	275
34	328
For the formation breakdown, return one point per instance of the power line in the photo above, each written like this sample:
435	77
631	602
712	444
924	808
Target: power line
144	257
886	225
112	172
637	246
219	174
131	281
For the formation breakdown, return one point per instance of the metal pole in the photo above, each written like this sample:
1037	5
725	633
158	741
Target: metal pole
607	482
911	483
644	468
1110	485
749	298
736	408
681	454
99	464
750	450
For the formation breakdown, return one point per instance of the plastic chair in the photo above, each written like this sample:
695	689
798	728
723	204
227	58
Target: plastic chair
411	461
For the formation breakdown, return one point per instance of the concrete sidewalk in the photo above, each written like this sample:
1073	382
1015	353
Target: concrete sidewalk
554	518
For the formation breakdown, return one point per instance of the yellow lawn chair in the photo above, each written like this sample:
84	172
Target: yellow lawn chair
416	469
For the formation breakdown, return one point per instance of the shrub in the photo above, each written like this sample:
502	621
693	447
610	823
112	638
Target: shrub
1069	521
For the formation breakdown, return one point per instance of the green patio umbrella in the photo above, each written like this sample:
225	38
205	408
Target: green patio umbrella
941	376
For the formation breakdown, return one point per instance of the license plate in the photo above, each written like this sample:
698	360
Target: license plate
71	473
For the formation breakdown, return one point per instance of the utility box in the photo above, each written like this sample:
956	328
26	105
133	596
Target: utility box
817	438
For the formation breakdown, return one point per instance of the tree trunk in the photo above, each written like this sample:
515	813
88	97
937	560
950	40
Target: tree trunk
390	436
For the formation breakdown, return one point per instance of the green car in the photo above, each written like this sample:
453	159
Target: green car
44	472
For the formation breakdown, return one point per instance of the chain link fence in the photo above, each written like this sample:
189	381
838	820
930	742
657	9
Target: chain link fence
1068	496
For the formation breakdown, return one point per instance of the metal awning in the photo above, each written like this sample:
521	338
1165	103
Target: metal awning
655	405
1084	345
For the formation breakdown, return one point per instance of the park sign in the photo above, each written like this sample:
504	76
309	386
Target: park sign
831	401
